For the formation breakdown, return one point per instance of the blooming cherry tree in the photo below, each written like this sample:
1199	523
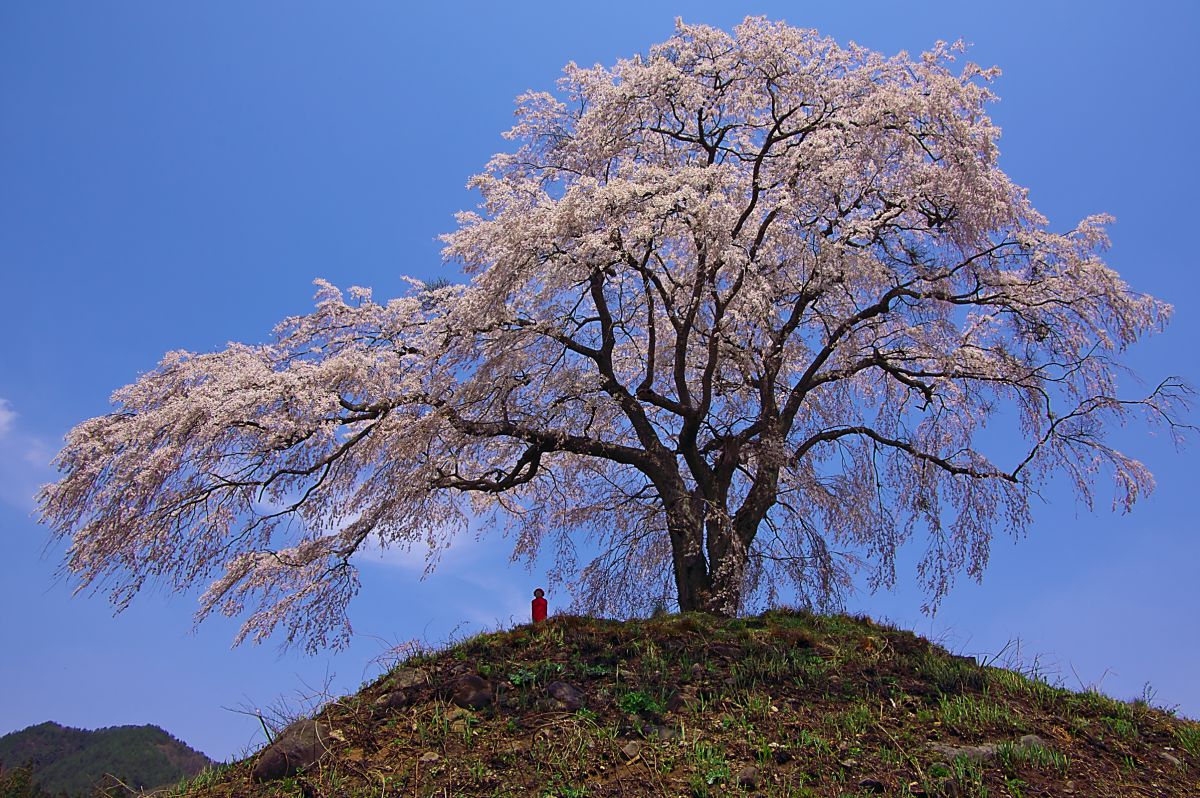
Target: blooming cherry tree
739	311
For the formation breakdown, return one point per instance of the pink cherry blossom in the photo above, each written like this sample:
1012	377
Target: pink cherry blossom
739	310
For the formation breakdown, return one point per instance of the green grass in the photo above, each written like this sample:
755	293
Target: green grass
855	720
811	741
1090	702
1121	727
1188	737
636	702
949	675
710	768
208	776
1043	694
1014	757
969	715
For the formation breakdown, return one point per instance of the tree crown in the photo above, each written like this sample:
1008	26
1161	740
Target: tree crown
739	310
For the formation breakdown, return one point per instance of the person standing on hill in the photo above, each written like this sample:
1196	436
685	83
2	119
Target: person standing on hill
539	605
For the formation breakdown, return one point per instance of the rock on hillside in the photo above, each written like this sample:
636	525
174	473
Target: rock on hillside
784	704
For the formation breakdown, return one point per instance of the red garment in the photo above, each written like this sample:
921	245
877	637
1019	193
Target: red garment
539	609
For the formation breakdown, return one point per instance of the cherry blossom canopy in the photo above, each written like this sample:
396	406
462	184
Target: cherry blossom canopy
739	311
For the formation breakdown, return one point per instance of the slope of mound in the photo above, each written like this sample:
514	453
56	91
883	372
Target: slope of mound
784	704
74	761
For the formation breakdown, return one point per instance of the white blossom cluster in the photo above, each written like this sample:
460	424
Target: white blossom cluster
738	312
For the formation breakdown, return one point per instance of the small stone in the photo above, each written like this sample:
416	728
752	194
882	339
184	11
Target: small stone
428	758
849	763
782	756
471	692
664	733
632	749
725	650
749	777
566	696
872	785
1032	741
1171	758
975	753
697	670
407	678
388	702
983	753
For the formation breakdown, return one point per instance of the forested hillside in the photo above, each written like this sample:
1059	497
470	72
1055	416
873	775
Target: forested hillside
62	759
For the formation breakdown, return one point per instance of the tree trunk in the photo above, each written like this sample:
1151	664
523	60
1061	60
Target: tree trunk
727	557
690	565
692	582
709	563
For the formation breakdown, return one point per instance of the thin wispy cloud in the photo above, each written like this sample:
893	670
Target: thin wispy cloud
463	548
24	461
7	417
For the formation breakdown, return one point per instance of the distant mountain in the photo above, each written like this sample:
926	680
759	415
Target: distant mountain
73	761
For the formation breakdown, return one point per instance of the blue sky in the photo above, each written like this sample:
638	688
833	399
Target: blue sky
175	175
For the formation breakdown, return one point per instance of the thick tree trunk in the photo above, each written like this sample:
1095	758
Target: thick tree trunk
692	582
709	563
687	553
727	581
710	547
727	556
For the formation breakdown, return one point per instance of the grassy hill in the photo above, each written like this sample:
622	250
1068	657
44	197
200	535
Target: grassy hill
73	761
785	704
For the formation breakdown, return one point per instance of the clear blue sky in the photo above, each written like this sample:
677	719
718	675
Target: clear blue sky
174	175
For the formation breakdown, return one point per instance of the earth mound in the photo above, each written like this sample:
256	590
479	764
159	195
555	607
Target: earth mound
782	704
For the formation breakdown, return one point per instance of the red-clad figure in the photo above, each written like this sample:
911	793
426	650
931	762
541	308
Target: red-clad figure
539	605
